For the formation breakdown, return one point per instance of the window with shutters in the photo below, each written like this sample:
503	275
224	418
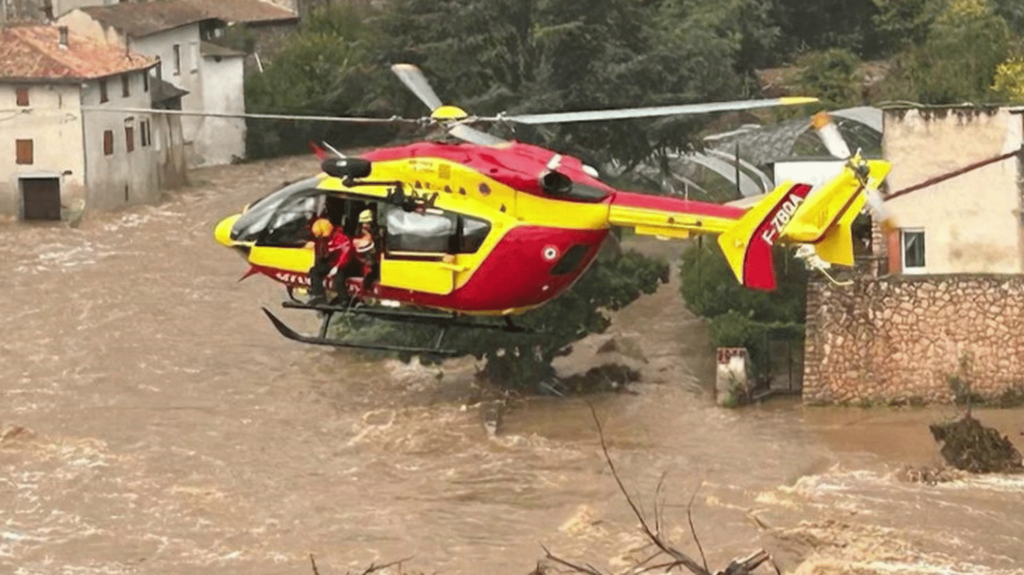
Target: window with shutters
129	138
22	96
25	153
108	142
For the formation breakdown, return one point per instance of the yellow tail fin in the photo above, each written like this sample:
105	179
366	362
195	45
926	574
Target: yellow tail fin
747	245
836	246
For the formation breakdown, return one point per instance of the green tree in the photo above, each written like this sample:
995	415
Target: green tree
957	61
523	361
320	70
905	23
832	76
824	24
1009	81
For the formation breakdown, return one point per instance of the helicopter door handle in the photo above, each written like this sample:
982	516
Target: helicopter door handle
454	267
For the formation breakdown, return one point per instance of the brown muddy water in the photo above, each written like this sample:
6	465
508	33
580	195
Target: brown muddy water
152	421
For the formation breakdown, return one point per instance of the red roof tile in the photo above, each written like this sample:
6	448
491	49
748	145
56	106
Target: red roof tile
34	53
247	11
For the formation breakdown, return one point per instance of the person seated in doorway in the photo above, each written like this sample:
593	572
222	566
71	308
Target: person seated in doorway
365	247
333	251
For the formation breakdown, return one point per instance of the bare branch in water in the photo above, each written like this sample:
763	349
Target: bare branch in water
679	557
693	530
590	570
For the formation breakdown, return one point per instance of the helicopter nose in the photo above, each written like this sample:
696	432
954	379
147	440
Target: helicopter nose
222	233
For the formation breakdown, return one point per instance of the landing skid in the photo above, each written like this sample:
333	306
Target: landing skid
327	311
322	339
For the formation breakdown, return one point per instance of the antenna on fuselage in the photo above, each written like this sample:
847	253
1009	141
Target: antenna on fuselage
333	149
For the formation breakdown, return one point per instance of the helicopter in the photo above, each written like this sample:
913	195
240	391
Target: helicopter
475	230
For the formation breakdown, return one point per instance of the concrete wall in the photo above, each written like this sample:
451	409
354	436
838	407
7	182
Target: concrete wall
21	10
972	223
53	121
63	6
221	140
899	340
161	45
168	142
124	177
188	78
80	23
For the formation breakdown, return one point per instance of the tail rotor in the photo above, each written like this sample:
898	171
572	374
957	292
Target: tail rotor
833	140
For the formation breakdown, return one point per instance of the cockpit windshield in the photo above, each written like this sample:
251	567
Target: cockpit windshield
258	216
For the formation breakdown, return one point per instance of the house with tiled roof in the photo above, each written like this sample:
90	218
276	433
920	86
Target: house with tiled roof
62	142
209	79
257	27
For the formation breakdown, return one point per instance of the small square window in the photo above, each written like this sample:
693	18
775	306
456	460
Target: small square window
22	96
24	151
108	142
912	248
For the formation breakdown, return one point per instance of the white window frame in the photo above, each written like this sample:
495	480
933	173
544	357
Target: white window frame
907	269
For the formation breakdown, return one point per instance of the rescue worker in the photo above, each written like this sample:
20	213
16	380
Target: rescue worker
365	247
332	251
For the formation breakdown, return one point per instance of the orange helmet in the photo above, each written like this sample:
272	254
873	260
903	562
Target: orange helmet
322	228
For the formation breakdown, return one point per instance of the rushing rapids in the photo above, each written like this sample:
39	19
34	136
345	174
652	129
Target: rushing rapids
153	422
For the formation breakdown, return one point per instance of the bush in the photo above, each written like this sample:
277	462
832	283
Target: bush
738	316
523	361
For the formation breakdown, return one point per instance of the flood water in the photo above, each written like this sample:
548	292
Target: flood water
152	421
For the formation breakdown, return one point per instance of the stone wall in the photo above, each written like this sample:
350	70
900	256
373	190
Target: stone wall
900	340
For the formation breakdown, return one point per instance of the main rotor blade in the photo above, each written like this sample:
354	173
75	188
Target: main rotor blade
593	115
414	79
474	136
342	119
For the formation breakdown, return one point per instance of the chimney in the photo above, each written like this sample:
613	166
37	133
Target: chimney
63	36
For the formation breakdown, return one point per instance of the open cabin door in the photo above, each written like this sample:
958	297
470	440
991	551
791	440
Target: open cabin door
423	250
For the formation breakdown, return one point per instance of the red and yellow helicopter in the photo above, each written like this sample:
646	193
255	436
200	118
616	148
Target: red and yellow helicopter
487	227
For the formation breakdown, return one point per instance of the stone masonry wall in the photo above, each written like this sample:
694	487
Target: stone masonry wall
899	340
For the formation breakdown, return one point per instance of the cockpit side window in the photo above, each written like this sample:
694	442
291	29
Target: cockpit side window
290	224
256	219
472	234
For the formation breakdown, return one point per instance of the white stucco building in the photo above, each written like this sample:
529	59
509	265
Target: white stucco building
52	152
970	223
176	33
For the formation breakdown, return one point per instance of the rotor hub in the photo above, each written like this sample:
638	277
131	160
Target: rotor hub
448	114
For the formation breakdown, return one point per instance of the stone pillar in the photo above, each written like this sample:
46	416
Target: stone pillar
731	380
